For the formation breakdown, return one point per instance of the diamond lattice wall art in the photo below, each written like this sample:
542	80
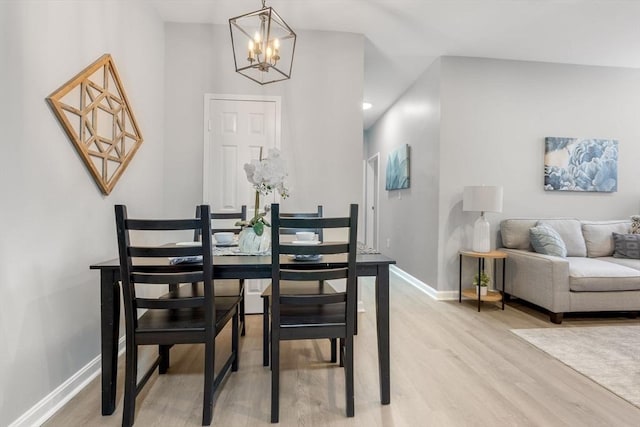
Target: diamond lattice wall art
96	115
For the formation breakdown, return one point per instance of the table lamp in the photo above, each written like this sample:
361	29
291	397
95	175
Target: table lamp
482	199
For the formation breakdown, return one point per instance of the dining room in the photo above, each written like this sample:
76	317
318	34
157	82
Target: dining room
443	362
60	214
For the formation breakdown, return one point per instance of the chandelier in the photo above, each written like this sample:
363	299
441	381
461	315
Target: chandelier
263	45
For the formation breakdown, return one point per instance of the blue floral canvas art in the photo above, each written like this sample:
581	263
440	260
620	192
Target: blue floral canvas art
581	164
398	169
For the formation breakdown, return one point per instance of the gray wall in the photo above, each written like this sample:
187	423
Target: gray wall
321	114
409	218
55	221
495	115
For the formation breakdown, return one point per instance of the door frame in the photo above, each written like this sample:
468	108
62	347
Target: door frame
208	127
373	180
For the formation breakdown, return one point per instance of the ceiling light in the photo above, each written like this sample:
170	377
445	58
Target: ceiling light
366	105
263	45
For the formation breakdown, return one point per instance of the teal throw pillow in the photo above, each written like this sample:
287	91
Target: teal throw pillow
626	245
545	240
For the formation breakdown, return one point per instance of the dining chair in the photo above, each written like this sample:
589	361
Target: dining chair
180	316
266	294
312	315
225	222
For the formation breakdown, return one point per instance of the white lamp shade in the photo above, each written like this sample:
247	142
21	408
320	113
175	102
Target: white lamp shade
482	198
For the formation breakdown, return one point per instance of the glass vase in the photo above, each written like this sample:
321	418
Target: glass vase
250	243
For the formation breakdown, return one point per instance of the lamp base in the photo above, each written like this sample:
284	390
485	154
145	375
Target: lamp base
481	240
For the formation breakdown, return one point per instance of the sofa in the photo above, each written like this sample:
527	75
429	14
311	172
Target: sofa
595	275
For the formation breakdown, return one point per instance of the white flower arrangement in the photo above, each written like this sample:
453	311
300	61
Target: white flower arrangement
266	175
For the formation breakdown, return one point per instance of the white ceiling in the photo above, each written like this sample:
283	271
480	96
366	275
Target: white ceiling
404	36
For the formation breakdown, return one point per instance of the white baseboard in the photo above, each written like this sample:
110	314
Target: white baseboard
419	284
55	400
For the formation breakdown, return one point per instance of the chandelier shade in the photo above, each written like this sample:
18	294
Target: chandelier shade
263	45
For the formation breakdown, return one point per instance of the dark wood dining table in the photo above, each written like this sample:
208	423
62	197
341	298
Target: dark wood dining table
234	267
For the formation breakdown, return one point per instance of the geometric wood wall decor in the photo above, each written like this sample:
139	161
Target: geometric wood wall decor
96	115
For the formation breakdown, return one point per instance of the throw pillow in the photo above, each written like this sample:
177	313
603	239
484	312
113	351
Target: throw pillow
545	240
635	224
570	230
626	245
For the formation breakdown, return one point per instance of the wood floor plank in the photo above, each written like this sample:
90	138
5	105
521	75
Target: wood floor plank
450	366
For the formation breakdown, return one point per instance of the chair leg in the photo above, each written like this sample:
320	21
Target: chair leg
342	350
275	379
209	373
265	331
348	372
334	350
235	340
355	317
131	373
163	351
242	309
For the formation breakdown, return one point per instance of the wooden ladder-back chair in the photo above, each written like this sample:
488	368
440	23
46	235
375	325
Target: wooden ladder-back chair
313	315
266	294
225	222
179	317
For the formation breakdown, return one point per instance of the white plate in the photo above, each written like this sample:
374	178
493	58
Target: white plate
306	242
189	244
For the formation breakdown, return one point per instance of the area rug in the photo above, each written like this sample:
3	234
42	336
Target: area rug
608	355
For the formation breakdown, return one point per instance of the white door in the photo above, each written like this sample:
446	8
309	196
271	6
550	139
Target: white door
235	129
371	202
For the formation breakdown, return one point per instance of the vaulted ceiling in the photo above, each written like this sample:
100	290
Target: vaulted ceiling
404	36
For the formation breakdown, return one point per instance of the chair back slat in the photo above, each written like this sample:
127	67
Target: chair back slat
313	275
170	303
313	223
168	277
321	249
162	224
305	299
164	251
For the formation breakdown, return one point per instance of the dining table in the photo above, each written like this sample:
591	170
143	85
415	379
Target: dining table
236	267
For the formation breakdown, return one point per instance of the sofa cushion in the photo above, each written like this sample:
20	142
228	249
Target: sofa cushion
598	275
598	236
635	224
626	245
515	233
545	240
627	262
571	232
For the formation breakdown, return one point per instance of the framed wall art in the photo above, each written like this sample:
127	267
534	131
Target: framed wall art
581	164
398	169
96	115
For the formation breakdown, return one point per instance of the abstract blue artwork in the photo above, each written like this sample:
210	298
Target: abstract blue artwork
398	169
581	164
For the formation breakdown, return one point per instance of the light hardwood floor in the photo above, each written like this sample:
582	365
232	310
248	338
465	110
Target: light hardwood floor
450	366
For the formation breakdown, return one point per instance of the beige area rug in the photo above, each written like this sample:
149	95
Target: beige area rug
608	355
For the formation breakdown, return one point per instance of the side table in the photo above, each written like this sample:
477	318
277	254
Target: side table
493	296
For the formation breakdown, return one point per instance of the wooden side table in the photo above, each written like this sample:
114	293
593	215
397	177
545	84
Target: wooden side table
492	296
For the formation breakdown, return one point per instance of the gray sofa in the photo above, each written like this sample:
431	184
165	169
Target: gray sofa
589	279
